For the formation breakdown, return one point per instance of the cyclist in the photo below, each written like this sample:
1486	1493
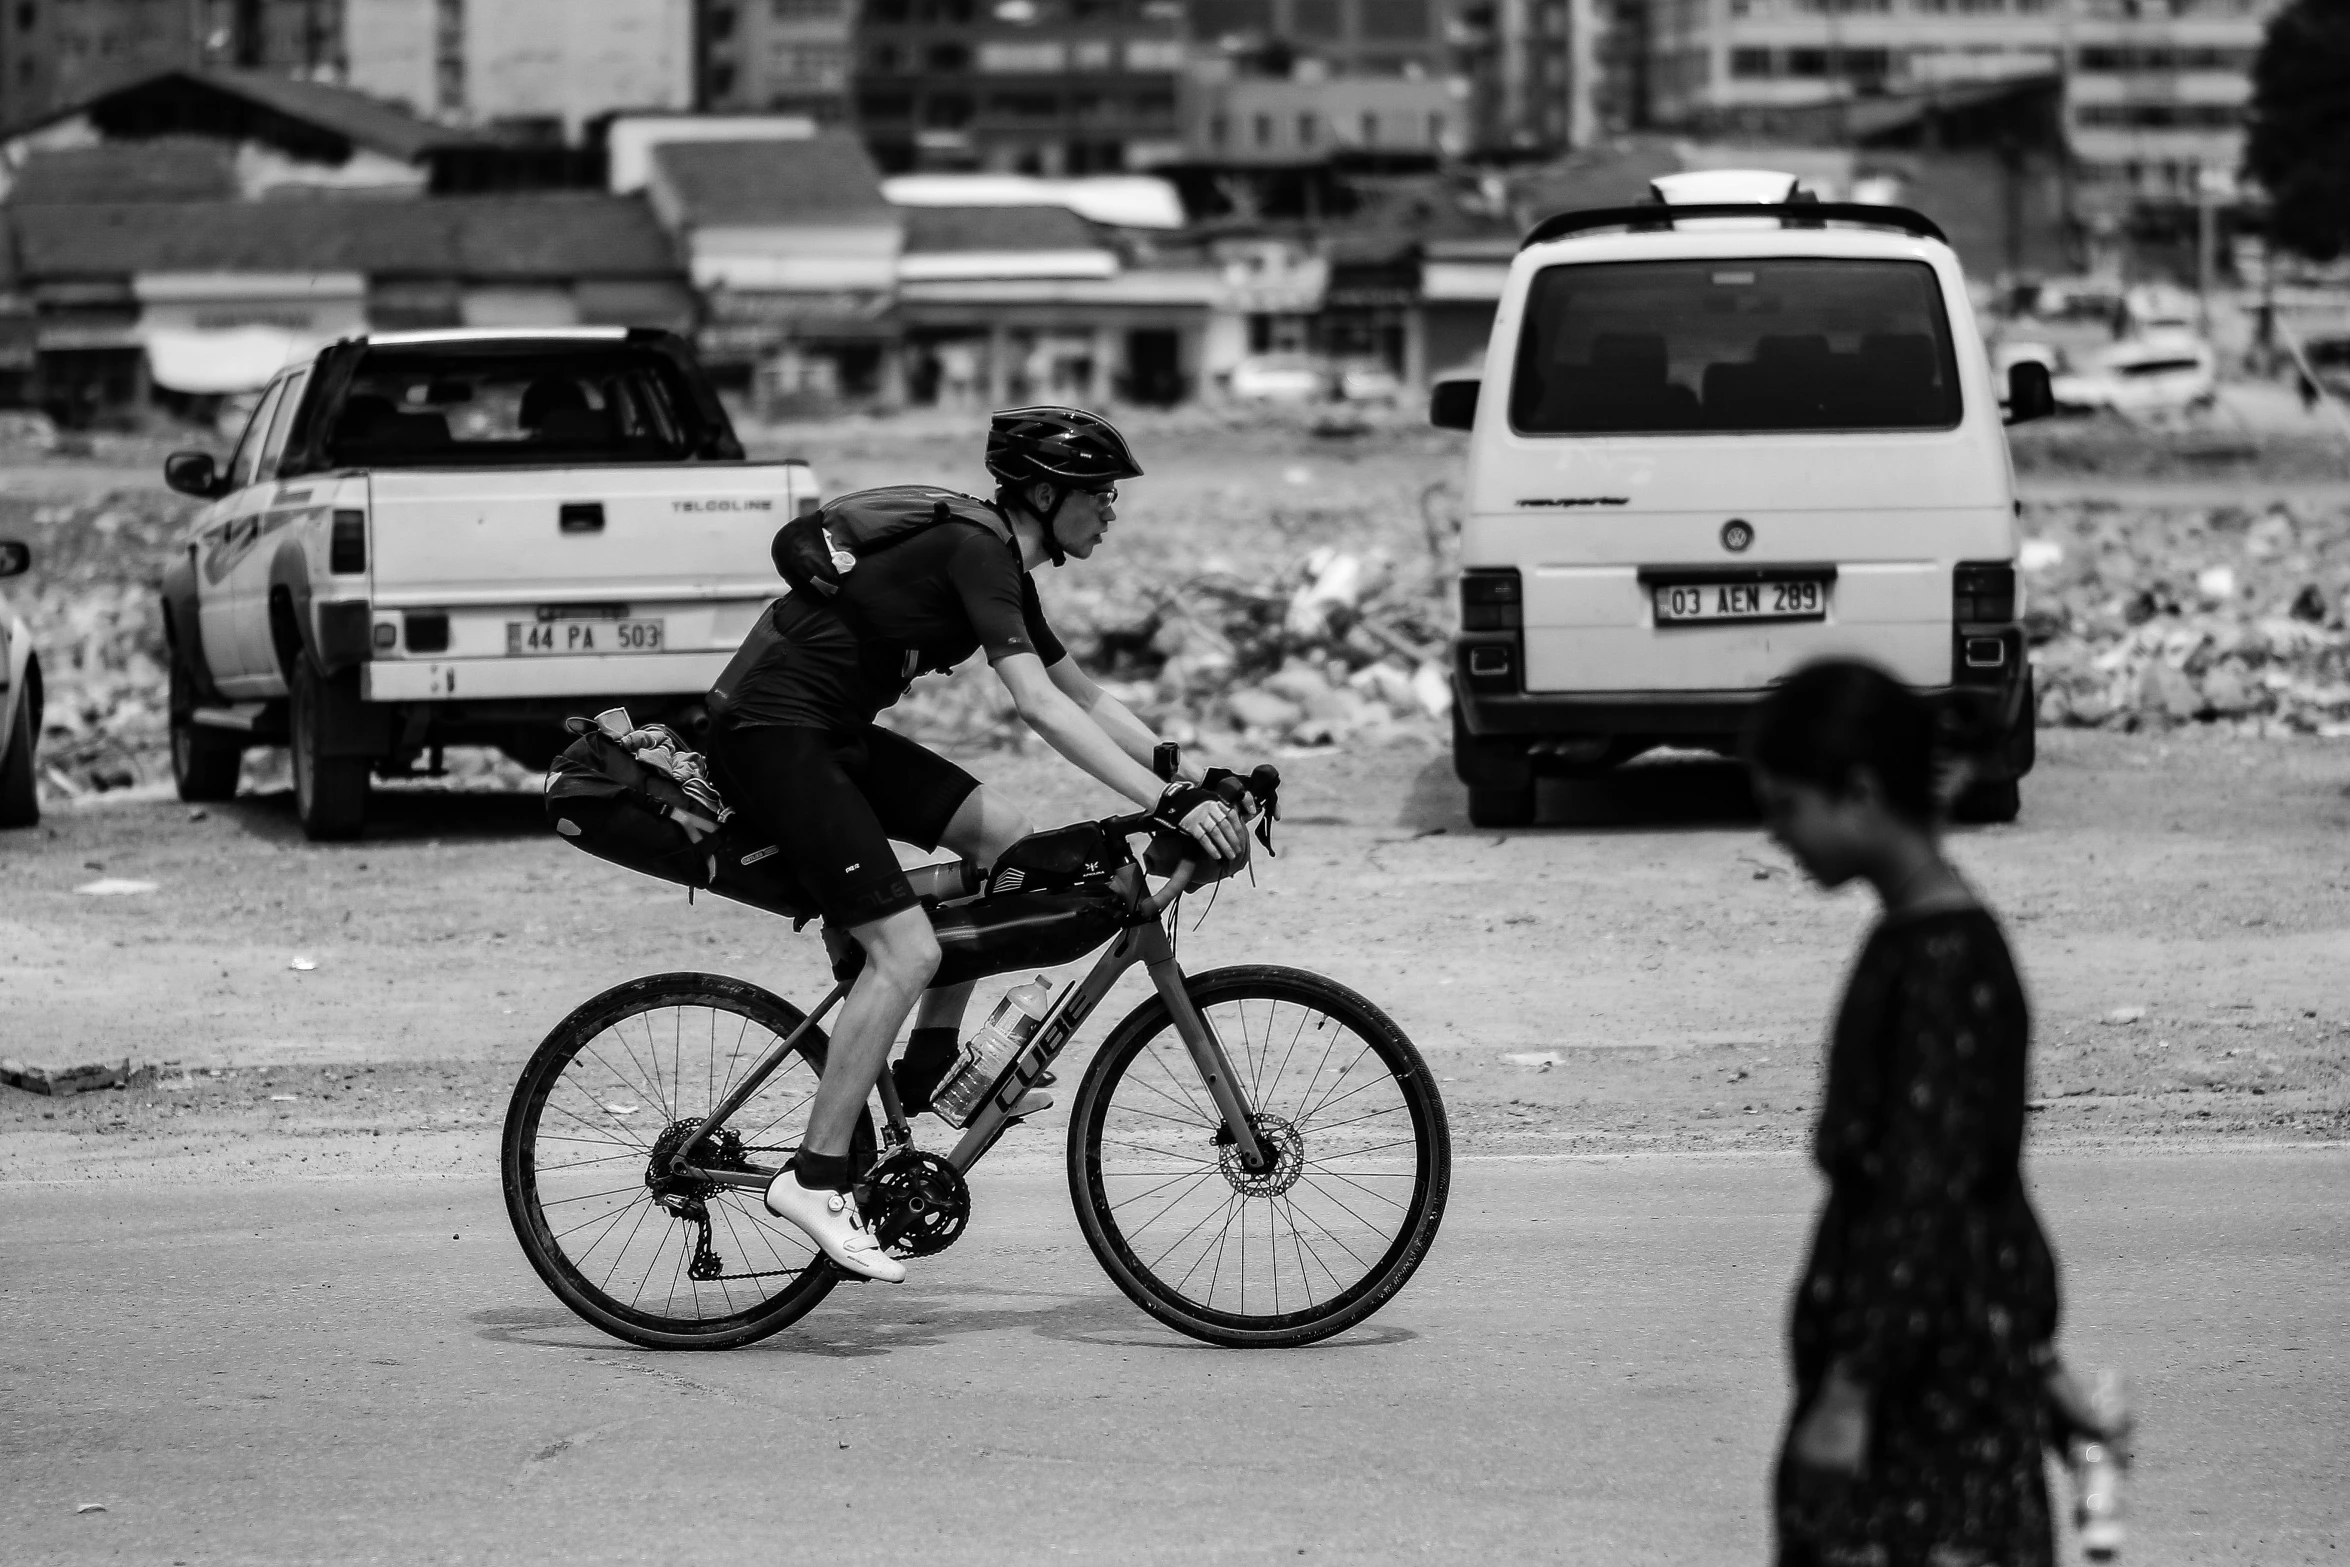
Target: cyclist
794	747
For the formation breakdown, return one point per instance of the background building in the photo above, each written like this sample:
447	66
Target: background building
781	56
56	53
1245	121
1338	37
535	67
1020	86
2153	94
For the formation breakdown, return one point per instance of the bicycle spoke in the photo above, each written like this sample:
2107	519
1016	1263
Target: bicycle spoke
612	1221
1313	1237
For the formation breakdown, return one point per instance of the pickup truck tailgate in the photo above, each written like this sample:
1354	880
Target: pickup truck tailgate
565	582
445	538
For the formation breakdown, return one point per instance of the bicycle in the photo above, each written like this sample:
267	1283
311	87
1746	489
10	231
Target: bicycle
1268	1196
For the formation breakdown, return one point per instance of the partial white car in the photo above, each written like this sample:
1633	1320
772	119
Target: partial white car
1368	381
1281	378
20	701
2169	373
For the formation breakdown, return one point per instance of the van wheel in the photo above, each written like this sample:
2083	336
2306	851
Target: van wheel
1501	807
204	763
330	792
1991	801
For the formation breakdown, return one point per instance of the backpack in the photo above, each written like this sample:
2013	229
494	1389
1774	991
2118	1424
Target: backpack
814	552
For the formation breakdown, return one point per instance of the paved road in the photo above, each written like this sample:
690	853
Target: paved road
1587	1370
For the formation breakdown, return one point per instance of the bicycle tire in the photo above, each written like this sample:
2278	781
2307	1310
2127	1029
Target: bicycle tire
1100	1184
580	1082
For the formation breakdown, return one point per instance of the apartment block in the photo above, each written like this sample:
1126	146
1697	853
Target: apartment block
776	56
1047	87
56	54
1341	37
536	66
1240	121
2154	90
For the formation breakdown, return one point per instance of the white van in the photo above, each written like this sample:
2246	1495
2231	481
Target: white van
1715	438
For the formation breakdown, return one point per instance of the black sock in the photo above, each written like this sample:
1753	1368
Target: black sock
824	1172
930	1052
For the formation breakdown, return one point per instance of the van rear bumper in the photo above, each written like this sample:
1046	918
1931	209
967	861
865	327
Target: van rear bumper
1977	719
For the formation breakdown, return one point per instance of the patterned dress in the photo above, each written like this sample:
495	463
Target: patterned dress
1928	1274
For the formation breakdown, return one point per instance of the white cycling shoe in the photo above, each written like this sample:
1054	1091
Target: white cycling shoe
831	1220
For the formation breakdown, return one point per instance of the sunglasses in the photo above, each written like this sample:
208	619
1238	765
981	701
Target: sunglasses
1107	496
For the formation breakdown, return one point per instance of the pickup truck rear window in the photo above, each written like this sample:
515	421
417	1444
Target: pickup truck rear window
1746	346
445	406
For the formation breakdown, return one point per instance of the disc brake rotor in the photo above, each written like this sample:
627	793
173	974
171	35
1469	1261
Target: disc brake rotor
1276	1137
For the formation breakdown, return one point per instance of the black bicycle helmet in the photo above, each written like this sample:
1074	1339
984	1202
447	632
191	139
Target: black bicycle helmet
1067	447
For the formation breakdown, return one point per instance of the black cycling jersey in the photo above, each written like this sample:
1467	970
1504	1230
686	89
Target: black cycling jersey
943	594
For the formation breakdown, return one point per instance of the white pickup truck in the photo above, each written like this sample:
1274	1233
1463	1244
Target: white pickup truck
461	537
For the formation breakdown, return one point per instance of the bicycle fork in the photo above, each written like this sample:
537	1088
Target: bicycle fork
1147	945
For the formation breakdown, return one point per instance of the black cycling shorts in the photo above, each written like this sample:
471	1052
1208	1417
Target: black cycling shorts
833	801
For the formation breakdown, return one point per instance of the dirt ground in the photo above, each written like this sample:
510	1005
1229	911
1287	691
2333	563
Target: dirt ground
1643	972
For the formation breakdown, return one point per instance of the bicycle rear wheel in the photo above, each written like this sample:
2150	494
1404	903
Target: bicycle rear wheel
663	1264
1306	1248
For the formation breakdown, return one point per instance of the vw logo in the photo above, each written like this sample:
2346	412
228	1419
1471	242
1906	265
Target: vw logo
1736	535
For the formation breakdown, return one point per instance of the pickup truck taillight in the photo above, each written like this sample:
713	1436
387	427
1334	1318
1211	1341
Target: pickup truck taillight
346	544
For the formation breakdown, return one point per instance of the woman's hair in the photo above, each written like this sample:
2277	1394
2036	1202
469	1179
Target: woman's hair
1839	714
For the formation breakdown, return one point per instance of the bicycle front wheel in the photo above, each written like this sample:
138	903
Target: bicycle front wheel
1312	1244
601	1106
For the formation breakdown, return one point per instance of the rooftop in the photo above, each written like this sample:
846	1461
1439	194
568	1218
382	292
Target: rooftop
480	237
941	229
308	119
825	178
169	168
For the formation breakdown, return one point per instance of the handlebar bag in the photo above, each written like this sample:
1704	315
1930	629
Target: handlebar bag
1061	857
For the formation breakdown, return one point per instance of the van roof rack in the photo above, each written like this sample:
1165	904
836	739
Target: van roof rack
1656	216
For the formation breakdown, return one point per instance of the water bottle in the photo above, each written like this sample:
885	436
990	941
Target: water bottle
986	1054
2097	1469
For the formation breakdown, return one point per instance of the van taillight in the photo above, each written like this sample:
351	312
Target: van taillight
1492	600
346	548
1983	593
809	506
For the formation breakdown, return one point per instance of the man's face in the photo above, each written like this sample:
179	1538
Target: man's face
1085	516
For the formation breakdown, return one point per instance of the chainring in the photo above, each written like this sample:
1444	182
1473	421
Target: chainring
917	1203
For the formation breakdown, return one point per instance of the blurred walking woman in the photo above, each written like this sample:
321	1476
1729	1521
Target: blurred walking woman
1924	1317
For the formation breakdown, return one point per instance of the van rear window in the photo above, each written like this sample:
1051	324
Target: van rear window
1745	346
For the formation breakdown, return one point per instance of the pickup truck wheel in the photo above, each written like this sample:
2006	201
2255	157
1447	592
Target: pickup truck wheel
204	762
20	801
1501	807
330	792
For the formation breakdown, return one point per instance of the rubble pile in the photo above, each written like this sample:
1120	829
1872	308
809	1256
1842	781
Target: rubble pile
2152	618
97	625
1340	646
